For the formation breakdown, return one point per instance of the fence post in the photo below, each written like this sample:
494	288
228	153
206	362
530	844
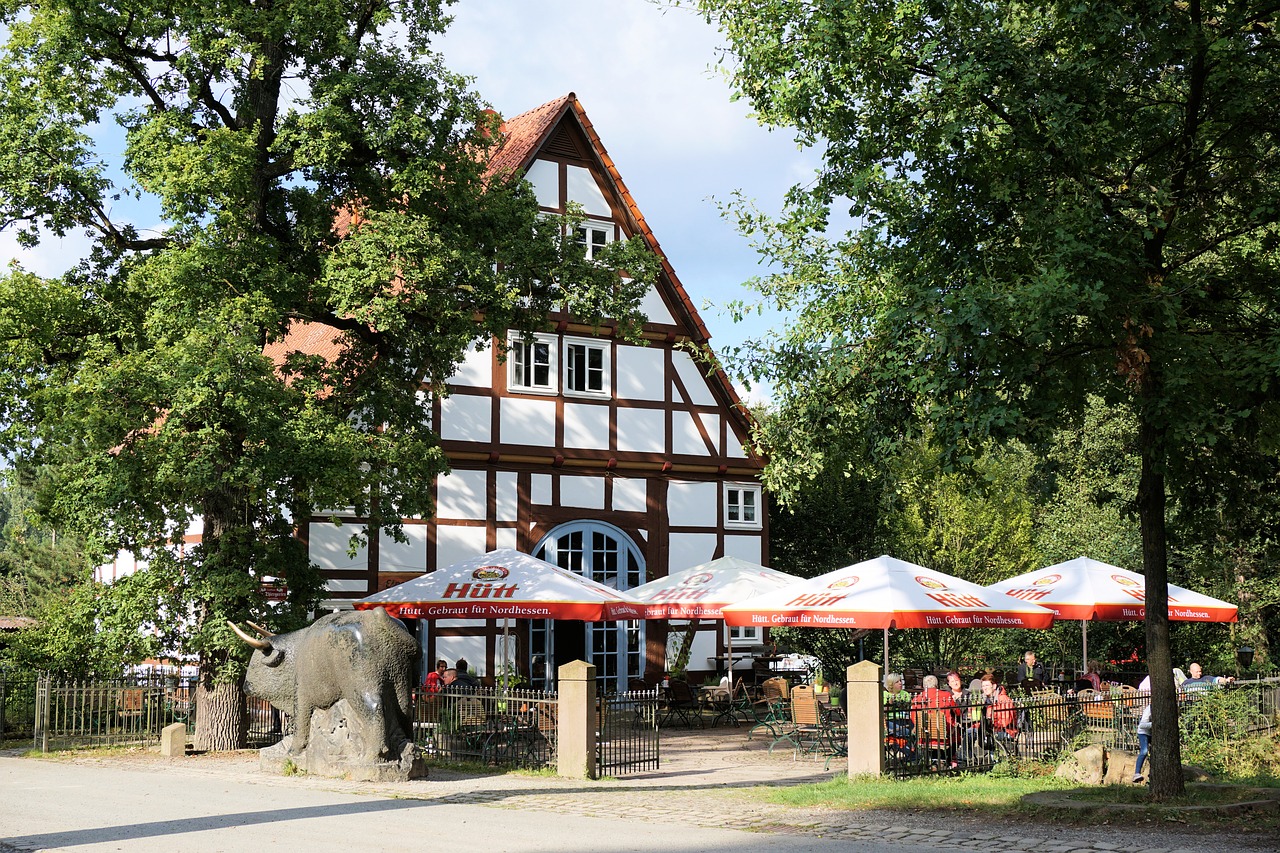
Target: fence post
576	734
865	709
41	722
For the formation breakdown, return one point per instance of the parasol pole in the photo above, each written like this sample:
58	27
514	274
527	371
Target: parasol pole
886	650
506	654
729	642
1084	648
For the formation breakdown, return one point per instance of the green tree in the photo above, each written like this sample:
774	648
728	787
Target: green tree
1053	199
318	172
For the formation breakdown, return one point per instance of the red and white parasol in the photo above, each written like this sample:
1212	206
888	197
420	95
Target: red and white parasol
886	593
701	592
1084	589
504	584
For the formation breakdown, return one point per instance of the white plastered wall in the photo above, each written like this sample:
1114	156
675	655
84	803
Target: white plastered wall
464	417
531	422
461	495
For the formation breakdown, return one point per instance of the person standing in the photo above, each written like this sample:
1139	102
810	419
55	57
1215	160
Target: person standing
1144	732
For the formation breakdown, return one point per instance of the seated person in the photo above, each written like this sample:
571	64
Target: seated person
972	723
1198	682
1093	675
466	678
1030	672
435	679
897	702
1002	714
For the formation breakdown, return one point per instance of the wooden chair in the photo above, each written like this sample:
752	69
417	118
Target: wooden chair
1049	725
1099	713
804	727
935	735
771	711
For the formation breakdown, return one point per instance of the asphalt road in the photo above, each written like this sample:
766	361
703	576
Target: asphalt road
53	805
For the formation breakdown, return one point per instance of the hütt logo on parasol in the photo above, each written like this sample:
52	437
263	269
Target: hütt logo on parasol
1130	587
944	596
824	599
1037	590
697	580
483	589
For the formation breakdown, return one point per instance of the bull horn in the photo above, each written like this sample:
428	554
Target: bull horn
263	645
266	635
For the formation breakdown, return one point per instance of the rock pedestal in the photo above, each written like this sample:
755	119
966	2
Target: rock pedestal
337	749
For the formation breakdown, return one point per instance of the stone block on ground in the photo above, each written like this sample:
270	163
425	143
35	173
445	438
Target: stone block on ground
1120	767
173	740
1084	766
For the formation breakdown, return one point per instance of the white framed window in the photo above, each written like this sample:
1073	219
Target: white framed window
743	634
593	235
742	506
587	363
531	364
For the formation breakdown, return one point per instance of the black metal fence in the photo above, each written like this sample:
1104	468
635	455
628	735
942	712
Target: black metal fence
506	728
17	705
627	733
936	735
102	713
940	736
56	713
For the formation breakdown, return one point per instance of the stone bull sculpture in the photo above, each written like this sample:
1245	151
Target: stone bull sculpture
346	681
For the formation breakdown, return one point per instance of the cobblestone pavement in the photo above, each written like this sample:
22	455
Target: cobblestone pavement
707	779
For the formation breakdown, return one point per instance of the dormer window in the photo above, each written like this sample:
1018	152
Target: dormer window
593	236
531	364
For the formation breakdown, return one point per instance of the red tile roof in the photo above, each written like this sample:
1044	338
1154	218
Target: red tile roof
308	337
524	134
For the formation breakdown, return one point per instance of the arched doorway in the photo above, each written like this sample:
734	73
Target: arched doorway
603	553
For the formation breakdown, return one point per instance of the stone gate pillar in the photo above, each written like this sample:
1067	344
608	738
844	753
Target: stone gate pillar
864	704
576	721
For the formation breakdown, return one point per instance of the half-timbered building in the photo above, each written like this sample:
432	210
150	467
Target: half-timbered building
619	461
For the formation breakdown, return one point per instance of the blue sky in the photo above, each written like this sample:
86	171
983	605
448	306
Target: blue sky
644	74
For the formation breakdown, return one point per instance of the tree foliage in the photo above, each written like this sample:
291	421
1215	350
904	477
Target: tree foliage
161	381
1053	200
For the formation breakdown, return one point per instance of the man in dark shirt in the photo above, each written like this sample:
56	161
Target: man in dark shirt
1199	682
465	677
1030	670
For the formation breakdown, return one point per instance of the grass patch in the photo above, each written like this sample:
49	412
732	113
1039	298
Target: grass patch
1001	797
997	794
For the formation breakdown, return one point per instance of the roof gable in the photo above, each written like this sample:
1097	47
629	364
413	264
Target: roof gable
542	130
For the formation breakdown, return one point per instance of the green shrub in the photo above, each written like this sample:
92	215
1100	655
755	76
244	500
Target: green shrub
1225	732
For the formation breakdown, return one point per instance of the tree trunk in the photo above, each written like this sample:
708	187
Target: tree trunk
220	717
226	551
1165	756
